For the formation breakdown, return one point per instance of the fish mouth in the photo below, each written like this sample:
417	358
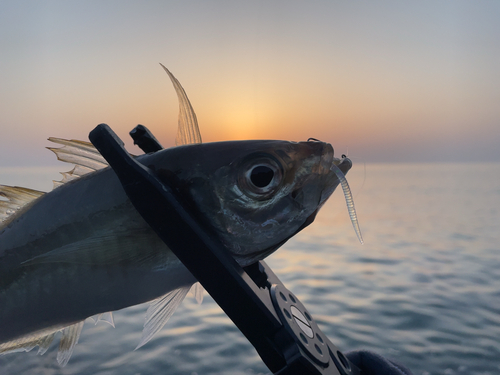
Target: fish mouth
328	163
311	192
328	178
344	164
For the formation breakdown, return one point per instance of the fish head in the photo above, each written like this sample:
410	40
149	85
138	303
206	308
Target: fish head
253	195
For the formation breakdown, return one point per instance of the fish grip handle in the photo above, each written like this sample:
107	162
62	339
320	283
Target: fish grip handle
269	315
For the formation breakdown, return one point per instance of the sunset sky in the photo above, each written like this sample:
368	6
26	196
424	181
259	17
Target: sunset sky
385	81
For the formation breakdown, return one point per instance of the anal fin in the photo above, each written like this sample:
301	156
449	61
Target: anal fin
104	317
42	339
25	344
69	339
197	291
44	343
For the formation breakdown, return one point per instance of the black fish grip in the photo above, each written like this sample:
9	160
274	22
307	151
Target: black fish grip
271	317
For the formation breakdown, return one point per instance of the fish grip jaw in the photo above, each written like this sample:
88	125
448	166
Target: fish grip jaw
251	296
305	348
143	138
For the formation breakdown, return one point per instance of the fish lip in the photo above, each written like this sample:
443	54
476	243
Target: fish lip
327	161
345	164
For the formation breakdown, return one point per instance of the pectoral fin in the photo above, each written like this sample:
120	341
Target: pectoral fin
160	311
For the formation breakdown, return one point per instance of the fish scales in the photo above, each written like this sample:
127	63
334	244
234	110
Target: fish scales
88	278
82	249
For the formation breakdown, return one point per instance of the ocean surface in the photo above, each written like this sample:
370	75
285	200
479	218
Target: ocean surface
424	288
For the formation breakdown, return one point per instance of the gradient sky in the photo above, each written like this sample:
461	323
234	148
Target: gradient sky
385	81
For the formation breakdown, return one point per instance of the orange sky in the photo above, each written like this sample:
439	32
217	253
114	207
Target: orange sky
387	81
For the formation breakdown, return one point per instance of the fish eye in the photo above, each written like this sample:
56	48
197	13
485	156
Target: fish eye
260	177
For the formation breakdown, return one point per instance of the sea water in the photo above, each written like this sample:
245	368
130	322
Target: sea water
424	289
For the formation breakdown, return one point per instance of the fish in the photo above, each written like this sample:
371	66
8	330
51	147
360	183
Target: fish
82	250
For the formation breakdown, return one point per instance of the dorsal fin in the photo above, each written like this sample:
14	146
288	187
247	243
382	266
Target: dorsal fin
188	131
14	198
87	159
83	154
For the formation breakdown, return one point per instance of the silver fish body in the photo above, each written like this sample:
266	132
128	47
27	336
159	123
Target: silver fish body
82	249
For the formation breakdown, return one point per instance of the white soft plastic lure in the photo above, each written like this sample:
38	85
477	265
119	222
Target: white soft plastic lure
349	201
